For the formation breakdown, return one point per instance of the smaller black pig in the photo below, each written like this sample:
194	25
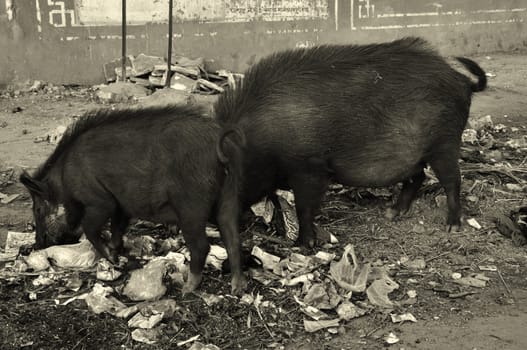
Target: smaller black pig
156	163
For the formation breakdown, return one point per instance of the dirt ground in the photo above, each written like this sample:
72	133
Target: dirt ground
493	317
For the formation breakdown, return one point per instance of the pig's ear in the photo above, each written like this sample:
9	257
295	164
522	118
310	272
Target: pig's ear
34	186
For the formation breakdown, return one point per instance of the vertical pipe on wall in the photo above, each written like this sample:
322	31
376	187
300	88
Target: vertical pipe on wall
169	53
123	57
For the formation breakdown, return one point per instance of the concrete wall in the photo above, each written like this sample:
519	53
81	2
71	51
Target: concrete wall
68	41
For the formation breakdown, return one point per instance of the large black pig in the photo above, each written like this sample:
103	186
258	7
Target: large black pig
363	115
156	163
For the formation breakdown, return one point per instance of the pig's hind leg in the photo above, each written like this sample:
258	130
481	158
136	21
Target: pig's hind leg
407	195
193	229
309	188
446	167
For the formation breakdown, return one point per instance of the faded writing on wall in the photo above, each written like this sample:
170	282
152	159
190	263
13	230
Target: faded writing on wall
397	14
105	12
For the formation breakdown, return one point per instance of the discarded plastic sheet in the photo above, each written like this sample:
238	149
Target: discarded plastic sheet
350	277
403	317
295	265
391	338
106	271
347	311
378	292
269	261
145	321
99	300
79	255
322	296
313	326
147	283
165	306
37	260
216	257
147	336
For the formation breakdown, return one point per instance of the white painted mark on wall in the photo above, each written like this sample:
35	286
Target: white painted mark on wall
366	9
9	9
58	17
336	15
39	17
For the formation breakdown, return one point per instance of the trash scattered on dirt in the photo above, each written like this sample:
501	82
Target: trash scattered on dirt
52	136
14	241
121	92
378	292
200	346
268	261
314	326
350	277
6	199
416	264
474	223
403	318
513	226
480	122
186	76
99	300
147	336
147	283
476	280
106	271
391	338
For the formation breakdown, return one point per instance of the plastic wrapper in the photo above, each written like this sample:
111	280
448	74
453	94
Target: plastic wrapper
350	277
147	283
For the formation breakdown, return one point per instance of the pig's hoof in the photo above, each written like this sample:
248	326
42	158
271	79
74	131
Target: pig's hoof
322	235
192	283
308	242
453	228
391	213
110	254
239	284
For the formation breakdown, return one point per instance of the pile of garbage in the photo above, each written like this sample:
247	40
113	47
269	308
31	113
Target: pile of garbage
148	73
